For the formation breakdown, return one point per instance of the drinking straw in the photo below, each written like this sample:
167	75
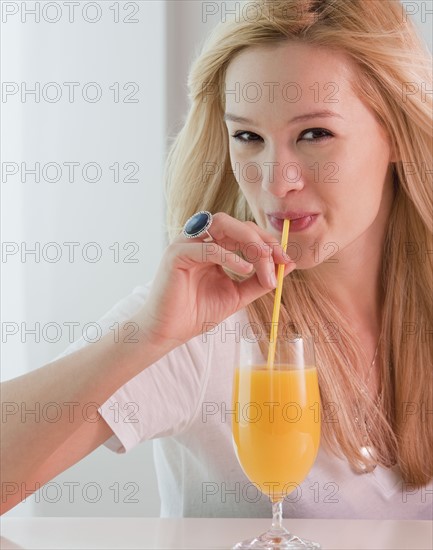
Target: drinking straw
277	299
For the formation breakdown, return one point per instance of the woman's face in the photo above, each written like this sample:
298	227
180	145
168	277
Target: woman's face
308	149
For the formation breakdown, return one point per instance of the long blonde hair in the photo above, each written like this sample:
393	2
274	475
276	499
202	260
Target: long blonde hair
390	60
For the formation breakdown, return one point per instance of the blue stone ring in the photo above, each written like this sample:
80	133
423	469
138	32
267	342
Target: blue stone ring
198	224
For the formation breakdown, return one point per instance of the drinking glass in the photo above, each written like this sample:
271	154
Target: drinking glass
276	425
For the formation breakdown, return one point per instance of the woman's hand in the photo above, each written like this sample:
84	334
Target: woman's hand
191	288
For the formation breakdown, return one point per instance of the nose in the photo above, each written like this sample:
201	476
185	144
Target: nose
282	174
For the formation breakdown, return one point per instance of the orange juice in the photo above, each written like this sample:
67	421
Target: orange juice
276	426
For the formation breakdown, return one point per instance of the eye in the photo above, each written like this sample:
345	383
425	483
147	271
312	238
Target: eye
246	137
319	134
325	134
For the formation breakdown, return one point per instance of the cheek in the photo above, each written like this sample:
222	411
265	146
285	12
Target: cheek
234	163
248	182
251	192
365	164
352	208
245	172
361	170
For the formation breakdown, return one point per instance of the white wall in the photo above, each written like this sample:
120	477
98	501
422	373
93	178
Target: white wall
103	212
154	53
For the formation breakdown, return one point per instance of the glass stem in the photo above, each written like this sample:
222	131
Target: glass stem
277	515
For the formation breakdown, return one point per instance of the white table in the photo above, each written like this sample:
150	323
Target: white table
155	533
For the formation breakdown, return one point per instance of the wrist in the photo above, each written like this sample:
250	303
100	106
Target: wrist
142	345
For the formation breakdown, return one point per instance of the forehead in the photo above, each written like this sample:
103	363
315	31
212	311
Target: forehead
289	72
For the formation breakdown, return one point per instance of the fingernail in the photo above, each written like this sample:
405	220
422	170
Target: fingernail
273	280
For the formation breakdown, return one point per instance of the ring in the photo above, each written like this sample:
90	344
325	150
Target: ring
198	224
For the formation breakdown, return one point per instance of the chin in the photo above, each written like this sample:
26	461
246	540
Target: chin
307	261
304	265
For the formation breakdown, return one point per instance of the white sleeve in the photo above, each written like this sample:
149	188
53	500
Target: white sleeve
121	311
161	400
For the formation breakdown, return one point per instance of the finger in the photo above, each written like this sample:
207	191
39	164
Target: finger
270	251
246	238
225	229
186	255
232	234
279	255
251	289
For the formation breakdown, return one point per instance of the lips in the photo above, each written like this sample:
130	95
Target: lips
299	220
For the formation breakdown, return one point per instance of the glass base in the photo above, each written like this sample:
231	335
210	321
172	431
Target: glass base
277	539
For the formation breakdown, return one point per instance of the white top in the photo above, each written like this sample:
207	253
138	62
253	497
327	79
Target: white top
183	401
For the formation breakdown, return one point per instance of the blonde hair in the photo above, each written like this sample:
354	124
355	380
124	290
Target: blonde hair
389	60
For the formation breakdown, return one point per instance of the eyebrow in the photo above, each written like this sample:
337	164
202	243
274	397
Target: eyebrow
326	113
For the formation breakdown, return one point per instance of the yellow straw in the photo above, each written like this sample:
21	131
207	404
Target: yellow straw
277	300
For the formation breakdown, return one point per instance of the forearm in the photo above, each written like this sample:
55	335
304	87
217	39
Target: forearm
61	395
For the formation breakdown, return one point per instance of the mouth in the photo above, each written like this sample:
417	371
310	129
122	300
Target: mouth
299	221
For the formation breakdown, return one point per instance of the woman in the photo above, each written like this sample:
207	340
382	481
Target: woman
299	110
